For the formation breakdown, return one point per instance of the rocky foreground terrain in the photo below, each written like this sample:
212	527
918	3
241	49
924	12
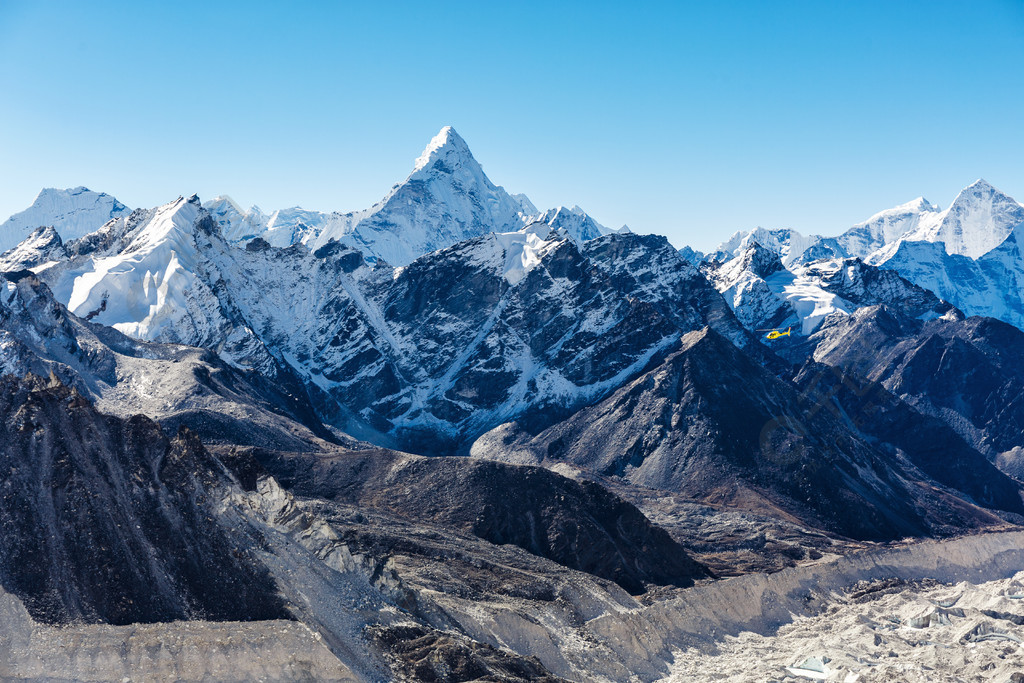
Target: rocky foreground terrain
923	612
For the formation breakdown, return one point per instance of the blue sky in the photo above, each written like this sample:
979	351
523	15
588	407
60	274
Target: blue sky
691	120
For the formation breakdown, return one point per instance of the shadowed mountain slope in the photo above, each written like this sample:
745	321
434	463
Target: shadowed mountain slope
714	425
108	520
577	524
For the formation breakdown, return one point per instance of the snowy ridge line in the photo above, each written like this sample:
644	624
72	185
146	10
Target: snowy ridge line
761	603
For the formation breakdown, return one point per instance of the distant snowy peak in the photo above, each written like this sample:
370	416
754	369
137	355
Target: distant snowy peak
914	207
447	158
446	199
765	294
574	221
788	244
692	256
992	285
755	259
236	224
977	221
73	213
886	226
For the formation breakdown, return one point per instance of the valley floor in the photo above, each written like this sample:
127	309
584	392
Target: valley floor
948	610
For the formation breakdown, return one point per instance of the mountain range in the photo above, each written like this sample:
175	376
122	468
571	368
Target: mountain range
458	437
967	254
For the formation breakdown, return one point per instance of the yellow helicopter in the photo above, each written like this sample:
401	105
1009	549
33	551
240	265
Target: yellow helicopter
775	334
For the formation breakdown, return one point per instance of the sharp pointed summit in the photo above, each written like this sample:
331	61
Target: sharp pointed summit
445	144
446	198
977	221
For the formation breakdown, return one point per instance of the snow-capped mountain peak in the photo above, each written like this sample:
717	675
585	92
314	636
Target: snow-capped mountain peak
446	144
73	213
172	224
918	205
887	226
446	199
142	280
575	221
977	221
788	244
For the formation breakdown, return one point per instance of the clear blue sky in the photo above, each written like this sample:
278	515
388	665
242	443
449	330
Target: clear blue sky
688	119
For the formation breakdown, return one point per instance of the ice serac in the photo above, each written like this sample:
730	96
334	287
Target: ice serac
237	224
73	213
157	275
741	282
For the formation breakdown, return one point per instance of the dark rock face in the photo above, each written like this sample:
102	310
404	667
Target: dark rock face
646	267
577	524
760	261
969	372
108	520
928	442
714	425
423	654
429	356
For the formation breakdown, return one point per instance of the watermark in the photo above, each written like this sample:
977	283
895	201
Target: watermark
784	438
